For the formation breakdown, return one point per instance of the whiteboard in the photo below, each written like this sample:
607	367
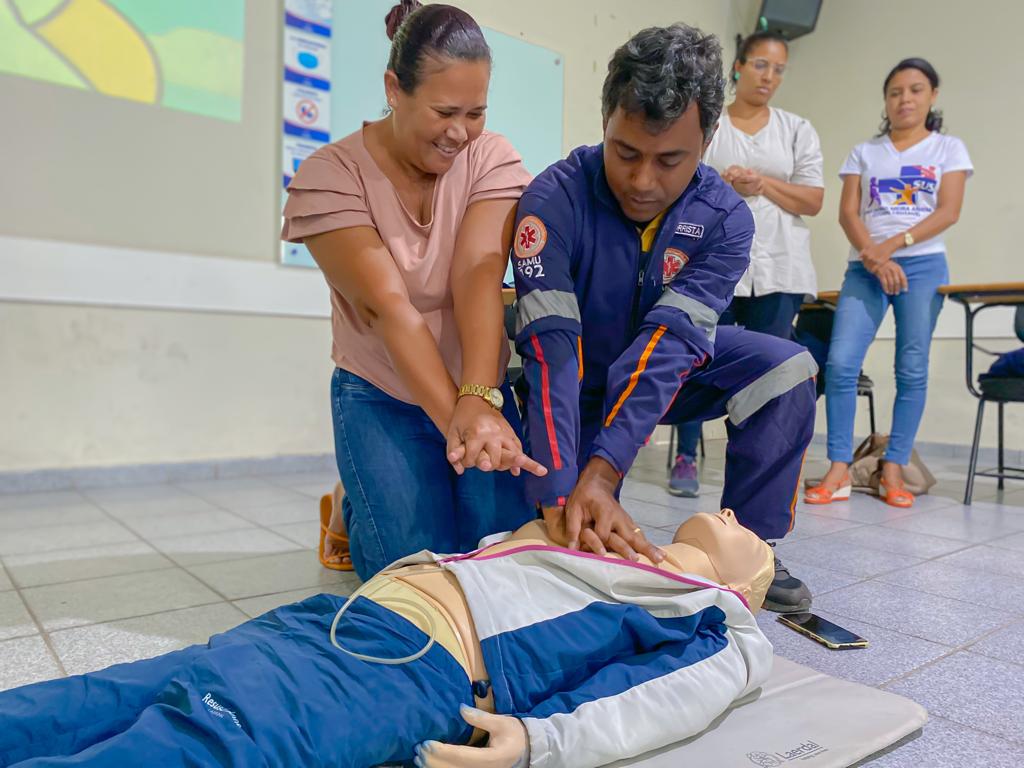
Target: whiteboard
524	103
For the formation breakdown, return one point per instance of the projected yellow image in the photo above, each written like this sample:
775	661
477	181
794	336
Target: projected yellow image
185	54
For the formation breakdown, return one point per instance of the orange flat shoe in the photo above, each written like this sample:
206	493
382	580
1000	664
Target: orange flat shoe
896	497
326	507
819	494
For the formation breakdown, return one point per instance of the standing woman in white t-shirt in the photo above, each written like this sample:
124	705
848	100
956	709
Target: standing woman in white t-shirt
772	158
901	191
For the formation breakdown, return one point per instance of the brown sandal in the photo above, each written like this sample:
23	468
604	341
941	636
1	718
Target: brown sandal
326	508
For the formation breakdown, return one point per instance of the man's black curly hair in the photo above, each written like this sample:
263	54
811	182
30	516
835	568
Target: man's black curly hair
660	71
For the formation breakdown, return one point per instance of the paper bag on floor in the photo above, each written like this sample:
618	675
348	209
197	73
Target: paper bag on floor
866	469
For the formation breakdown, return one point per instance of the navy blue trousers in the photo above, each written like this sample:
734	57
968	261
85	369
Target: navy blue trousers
271	692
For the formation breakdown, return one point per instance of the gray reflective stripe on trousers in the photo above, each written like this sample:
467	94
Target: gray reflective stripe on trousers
701	315
538	304
778	381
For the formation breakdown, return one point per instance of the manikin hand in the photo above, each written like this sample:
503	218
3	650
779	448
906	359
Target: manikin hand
507	746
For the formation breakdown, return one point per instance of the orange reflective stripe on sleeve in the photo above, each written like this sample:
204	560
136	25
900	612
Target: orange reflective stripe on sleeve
635	376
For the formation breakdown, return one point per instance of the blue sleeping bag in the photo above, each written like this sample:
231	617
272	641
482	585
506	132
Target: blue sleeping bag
271	692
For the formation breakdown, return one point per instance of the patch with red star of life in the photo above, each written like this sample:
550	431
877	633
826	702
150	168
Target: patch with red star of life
531	236
674	262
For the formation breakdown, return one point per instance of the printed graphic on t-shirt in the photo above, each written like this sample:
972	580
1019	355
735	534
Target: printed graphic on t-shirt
912	192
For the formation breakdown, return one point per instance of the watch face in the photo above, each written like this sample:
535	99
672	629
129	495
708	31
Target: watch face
496	398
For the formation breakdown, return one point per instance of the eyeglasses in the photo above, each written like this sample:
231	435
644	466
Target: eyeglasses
761	66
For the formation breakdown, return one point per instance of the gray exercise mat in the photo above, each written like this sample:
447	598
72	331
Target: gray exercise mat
800	718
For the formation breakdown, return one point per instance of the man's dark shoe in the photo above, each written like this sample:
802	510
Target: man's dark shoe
787	594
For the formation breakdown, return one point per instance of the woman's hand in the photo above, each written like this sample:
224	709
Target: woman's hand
747	182
507	747
730	174
892	277
479	436
876	254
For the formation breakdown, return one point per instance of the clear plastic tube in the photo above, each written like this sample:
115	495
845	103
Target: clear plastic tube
426	615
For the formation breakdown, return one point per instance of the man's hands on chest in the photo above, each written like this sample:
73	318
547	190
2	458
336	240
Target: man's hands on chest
594	521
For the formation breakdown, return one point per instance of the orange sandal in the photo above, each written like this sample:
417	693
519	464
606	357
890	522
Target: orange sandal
326	508
896	497
819	494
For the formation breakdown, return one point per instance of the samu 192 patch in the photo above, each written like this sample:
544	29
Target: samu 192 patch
531	236
674	262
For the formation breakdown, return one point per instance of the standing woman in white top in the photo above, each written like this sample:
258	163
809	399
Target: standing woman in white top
772	158
901	191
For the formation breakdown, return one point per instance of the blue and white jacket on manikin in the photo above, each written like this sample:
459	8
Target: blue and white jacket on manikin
602	658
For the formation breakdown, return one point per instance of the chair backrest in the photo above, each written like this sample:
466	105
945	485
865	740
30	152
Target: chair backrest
1018	322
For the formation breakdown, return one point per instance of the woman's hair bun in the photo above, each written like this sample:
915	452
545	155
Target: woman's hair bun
398	14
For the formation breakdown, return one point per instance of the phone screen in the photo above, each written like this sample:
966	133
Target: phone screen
822	630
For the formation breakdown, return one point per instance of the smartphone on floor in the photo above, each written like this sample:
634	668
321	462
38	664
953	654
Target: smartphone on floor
824	631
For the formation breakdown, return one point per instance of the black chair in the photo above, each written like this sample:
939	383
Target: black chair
992	389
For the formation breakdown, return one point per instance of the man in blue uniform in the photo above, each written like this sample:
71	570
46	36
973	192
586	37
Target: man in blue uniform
625	254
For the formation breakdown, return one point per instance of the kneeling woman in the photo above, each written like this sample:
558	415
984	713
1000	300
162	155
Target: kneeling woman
410	219
418	646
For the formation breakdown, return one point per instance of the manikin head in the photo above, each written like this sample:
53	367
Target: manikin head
718	548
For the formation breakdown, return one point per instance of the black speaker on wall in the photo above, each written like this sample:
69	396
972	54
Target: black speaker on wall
790	18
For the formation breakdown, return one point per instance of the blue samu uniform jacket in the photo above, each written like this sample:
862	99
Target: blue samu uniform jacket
607	331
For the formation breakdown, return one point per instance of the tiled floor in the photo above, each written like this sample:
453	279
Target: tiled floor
95	577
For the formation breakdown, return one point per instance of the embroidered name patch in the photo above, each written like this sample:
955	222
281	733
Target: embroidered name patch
674	262
695	231
531	235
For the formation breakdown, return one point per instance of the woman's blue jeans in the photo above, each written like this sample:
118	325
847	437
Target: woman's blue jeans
862	305
401	494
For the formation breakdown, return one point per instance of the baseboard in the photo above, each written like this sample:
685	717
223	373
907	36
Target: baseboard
987	457
143	474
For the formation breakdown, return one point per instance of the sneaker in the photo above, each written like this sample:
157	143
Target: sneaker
682	481
787	594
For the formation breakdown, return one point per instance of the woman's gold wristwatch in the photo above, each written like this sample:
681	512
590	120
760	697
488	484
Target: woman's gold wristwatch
491	395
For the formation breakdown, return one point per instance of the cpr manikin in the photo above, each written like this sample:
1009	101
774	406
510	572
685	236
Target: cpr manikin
585	659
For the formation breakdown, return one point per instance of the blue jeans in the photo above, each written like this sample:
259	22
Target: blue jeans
771	313
862	305
401	494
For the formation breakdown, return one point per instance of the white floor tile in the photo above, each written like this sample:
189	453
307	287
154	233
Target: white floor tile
85	649
196	549
185	524
61	606
29	541
15	620
64	565
26	660
266	575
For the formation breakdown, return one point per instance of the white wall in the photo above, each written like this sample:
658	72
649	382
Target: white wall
834	79
100	386
84	385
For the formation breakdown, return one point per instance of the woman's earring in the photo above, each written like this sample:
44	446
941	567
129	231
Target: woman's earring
735	77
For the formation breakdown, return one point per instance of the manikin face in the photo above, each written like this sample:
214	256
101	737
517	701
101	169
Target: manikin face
735	555
443	114
647	172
